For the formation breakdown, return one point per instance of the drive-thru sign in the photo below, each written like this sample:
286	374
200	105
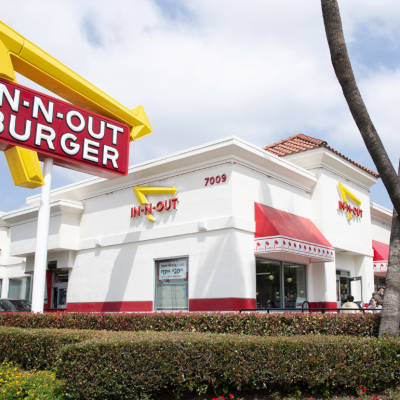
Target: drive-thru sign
90	134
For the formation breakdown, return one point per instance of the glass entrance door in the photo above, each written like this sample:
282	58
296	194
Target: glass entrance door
346	285
338	301
344	289
280	284
59	289
355	284
268	279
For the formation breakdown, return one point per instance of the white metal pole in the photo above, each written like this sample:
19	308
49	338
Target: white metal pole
42	233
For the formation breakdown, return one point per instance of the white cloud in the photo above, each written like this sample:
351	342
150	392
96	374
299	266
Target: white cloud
257	69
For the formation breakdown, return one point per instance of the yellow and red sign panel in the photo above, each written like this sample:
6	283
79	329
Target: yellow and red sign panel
149	209
90	135
73	137
345	206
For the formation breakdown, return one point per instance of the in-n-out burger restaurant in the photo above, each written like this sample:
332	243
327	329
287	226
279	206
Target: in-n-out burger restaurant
222	226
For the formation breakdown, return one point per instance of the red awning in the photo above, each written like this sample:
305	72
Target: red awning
381	256
280	231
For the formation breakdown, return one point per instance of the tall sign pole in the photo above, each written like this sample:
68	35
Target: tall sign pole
42	234
90	133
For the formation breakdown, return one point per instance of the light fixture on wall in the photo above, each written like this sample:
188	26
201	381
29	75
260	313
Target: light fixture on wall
202	226
271	277
289	279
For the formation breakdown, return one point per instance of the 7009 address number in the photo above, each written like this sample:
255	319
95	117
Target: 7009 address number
217	179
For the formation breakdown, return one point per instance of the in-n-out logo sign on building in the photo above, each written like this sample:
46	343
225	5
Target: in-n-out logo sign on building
345	206
149	209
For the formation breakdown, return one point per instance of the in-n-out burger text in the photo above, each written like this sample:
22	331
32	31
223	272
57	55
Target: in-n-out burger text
349	209
147	209
72	136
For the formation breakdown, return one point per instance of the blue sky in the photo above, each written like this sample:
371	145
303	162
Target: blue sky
204	70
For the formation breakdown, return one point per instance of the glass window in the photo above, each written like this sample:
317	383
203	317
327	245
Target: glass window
268	281
14	288
20	288
28	288
61	277
1	287
280	285
294	285
380	282
59	289
172	284
45	291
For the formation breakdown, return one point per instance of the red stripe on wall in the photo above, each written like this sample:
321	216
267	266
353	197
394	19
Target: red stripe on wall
110	306
223	304
327	304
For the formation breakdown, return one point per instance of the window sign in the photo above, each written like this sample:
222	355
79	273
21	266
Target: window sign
171	280
172	270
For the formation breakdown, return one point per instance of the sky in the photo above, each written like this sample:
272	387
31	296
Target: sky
206	69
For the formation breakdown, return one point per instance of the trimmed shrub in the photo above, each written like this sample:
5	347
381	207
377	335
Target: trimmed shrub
37	348
259	324
123	365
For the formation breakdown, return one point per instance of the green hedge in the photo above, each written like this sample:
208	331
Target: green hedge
37	348
118	365
233	323
122	365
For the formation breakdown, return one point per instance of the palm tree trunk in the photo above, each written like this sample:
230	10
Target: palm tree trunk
344	73
342	66
391	305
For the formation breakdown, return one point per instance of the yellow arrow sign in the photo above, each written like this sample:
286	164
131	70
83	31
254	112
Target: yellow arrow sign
142	191
19	54
347	194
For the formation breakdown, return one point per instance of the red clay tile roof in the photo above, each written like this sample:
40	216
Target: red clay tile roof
299	143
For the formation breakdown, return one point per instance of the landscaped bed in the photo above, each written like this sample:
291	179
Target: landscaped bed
128	365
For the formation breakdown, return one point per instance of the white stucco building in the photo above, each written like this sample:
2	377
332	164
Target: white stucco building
246	227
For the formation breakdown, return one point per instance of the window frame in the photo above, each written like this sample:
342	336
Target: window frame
20	278
155	280
58	285
282	277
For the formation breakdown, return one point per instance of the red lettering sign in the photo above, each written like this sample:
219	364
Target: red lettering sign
75	138
348	208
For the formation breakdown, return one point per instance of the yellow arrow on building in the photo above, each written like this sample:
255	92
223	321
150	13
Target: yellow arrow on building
346	193
142	191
